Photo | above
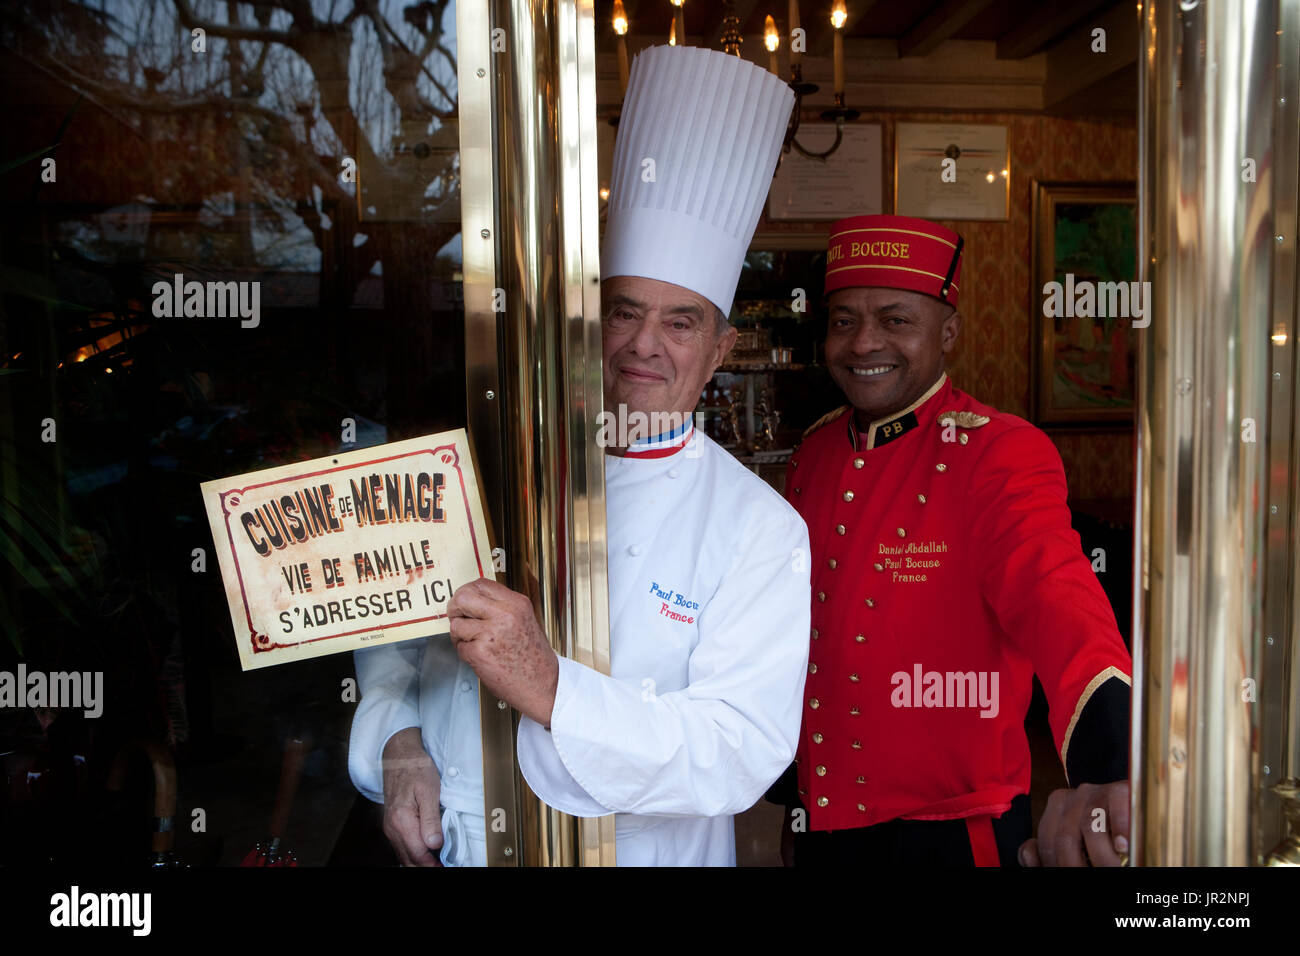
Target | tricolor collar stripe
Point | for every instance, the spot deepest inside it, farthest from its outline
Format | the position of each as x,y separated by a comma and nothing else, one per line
661,446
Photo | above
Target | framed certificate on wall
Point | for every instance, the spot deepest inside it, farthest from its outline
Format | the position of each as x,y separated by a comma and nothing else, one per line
952,171
846,183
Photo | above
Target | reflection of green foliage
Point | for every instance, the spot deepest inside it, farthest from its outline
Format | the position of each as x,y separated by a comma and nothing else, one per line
29,526
37,530
1096,241
14,162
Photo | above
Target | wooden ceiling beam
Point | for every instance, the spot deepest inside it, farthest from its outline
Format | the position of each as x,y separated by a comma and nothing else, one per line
1072,66
1044,27
938,25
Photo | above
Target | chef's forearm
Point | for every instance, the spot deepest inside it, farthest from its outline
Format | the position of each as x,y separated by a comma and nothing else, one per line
615,748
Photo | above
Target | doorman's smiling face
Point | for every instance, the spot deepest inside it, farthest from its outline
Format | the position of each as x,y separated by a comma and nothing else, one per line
885,347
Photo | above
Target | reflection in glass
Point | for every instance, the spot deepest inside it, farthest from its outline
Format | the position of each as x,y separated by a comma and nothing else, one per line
306,152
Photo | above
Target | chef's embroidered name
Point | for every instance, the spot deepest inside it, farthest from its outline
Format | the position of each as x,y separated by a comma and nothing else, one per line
309,512
670,601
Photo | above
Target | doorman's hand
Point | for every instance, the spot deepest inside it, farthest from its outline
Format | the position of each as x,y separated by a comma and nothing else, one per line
496,633
1084,826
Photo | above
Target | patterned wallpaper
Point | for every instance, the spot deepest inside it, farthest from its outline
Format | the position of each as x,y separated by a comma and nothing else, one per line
992,355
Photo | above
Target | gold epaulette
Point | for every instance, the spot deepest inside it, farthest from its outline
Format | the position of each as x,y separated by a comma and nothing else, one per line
828,417
963,419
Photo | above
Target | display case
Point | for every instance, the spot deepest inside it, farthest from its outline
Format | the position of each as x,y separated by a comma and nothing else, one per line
773,384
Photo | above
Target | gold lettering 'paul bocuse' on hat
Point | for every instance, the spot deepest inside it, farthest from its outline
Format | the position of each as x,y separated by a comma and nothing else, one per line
896,252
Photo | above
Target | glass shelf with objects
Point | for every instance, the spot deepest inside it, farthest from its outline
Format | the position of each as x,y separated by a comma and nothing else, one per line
772,384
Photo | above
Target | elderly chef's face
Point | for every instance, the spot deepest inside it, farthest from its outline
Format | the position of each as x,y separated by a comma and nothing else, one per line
885,347
661,345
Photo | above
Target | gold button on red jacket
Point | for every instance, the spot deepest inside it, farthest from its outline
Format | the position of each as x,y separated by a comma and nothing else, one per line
956,579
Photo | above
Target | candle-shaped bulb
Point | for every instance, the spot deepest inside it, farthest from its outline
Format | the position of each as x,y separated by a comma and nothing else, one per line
796,48
620,27
771,39
838,16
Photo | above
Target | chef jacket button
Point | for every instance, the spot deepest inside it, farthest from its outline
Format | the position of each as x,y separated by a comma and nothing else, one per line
798,491
878,566
453,771
822,801
833,564
465,685
861,639
870,602
814,703
862,779
902,533
848,496
673,472
921,498
858,462
821,595
857,745
854,678
817,738
821,771
634,550
812,668
963,438
941,467
862,808
839,529
853,712
815,634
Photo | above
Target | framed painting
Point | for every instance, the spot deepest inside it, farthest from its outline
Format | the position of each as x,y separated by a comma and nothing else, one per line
1084,300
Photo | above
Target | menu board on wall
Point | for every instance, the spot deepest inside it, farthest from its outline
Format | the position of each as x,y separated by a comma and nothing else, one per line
952,171
847,183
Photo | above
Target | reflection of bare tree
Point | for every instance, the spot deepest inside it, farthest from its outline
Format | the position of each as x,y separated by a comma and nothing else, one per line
264,117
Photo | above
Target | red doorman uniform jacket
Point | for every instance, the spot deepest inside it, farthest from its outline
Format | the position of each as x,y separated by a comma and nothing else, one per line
945,575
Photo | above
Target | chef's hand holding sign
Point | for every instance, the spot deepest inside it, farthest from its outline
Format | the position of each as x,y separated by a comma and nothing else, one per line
496,632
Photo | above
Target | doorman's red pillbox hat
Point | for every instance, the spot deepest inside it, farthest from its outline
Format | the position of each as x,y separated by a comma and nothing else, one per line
897,252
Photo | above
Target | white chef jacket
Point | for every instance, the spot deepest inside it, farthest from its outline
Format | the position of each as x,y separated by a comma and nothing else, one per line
709,598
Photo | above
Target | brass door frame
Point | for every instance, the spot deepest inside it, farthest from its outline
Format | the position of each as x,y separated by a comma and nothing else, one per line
529,195
1207,91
